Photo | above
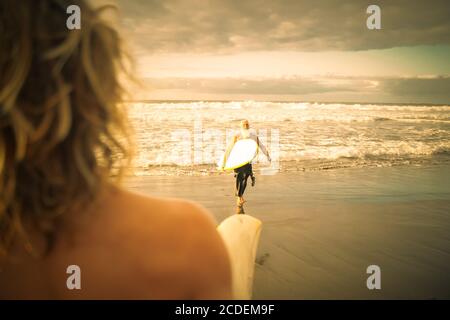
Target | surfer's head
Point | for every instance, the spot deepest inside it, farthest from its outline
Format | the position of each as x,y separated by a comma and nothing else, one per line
245,124
62,133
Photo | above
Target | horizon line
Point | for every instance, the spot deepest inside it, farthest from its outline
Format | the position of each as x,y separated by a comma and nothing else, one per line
283,101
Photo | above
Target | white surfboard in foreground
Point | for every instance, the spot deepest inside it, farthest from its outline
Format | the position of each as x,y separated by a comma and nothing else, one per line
240,233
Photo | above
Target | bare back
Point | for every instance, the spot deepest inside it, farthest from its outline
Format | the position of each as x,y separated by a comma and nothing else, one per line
128,246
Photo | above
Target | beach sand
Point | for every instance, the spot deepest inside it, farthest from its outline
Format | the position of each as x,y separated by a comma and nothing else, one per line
322,229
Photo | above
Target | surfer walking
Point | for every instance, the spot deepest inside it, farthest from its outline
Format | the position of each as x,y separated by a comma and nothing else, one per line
246,171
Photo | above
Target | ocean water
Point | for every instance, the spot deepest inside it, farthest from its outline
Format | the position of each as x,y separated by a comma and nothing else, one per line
189,138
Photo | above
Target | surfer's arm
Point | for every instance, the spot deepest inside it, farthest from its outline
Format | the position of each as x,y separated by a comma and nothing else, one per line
209,269
263,148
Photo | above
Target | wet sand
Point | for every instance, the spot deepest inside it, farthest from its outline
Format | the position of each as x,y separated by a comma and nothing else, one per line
321,230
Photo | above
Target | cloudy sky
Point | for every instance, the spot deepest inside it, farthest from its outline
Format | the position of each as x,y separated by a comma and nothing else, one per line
303,50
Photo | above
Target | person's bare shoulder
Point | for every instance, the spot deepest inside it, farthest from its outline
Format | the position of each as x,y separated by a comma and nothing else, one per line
168,248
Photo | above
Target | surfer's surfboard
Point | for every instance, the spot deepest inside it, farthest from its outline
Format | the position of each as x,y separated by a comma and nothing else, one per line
242,152
240,232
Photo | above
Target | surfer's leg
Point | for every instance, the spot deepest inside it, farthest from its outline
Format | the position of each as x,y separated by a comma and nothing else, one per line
244,183
249,173
240,188
252,176
239,184
244,173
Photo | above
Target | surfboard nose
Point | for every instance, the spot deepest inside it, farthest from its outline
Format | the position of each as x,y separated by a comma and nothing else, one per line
241,233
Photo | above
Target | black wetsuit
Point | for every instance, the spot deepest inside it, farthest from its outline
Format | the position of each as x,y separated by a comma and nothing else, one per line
242,175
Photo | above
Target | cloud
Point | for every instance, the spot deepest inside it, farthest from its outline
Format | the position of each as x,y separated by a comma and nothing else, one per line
426,86
370,89
298,25
262,86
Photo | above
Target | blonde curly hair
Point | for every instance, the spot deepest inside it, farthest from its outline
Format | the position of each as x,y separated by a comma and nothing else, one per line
63,134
